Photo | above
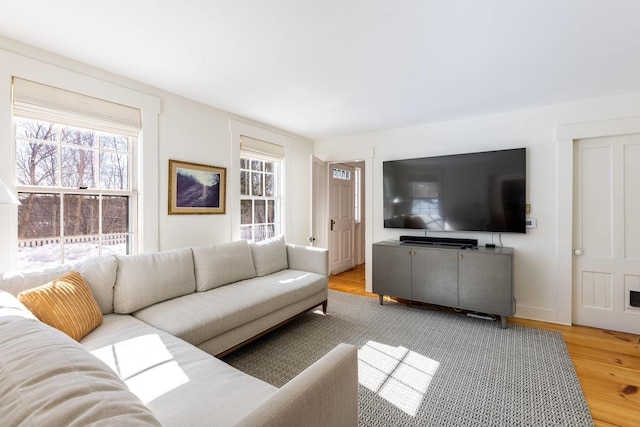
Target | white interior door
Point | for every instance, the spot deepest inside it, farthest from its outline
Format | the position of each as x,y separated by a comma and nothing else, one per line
606,235
319,231
341,218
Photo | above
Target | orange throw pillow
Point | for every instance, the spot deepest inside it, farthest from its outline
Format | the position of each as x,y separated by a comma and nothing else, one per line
66,303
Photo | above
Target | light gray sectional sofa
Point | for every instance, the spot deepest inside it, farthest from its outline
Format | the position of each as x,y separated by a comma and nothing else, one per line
164,316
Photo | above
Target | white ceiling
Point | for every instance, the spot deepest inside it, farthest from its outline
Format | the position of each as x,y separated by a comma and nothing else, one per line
322,68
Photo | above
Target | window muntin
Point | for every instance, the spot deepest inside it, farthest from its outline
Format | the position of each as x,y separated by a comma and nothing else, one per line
75,188
260,198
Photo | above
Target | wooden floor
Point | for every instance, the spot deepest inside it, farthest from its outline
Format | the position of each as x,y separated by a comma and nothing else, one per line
607,362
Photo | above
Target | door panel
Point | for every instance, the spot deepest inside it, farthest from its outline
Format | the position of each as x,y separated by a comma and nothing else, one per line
341,218
606,262
597,183
632,201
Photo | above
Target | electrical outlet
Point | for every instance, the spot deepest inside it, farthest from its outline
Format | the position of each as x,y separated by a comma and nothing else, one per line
531,223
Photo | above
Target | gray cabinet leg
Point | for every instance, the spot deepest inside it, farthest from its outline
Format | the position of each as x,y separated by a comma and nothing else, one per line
503,322
380,297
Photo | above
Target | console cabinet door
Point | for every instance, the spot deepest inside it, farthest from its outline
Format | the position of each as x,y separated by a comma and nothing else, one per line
486,283
435,276
392,271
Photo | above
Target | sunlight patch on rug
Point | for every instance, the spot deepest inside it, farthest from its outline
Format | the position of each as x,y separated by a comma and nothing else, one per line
396,374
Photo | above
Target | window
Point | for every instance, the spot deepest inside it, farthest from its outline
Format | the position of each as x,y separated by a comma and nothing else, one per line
74,183
260,202
260,189
342,174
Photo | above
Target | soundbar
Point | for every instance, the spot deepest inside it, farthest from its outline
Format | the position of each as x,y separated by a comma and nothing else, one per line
440,241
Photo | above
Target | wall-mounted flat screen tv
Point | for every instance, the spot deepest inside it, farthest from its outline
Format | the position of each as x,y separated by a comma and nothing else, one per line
464,192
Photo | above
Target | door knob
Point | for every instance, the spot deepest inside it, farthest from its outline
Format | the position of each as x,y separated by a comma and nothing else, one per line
332,224
578,252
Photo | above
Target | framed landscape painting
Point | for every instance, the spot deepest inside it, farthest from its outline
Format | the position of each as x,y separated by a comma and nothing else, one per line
196,188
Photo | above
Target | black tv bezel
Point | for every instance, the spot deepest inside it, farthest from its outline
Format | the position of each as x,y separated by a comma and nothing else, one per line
521,230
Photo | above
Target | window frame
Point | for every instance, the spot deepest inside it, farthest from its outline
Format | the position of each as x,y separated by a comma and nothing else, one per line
237,131
132,234
277,198
55,72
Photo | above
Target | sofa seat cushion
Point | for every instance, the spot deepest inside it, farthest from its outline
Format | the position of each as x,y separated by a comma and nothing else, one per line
199,317
47,379
180,383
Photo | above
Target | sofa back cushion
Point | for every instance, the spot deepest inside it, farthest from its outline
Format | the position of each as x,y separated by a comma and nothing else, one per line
15,282
269,255
146,279
222,264
98,272
100,275
46,378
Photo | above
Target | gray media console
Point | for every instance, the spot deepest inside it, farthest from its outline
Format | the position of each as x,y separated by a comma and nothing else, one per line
479,279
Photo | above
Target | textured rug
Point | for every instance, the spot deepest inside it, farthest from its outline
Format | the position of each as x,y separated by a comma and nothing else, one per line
430,368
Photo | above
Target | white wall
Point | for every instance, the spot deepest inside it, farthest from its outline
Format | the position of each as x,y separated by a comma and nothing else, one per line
196,133
537,286
183,130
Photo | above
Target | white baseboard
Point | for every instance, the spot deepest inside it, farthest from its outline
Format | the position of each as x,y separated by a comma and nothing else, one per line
538,313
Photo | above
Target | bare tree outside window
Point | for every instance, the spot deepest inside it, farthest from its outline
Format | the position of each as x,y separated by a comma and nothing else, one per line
74,185
36,153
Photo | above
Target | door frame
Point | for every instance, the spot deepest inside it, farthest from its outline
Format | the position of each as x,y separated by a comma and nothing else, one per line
365,155
318,235
566,136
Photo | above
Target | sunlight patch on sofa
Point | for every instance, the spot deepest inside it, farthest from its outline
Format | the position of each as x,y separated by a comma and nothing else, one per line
396,374
294,279
145,364
158,380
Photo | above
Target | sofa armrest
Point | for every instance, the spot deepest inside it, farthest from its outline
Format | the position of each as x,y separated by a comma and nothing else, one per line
324,394
307,258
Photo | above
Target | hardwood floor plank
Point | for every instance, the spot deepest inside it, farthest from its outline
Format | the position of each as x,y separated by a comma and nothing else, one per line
607,362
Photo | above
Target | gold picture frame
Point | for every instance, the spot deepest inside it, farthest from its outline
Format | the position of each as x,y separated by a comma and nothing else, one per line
196,188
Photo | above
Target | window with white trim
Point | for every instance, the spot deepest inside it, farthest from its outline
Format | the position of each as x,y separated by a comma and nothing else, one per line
261,167
74,175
